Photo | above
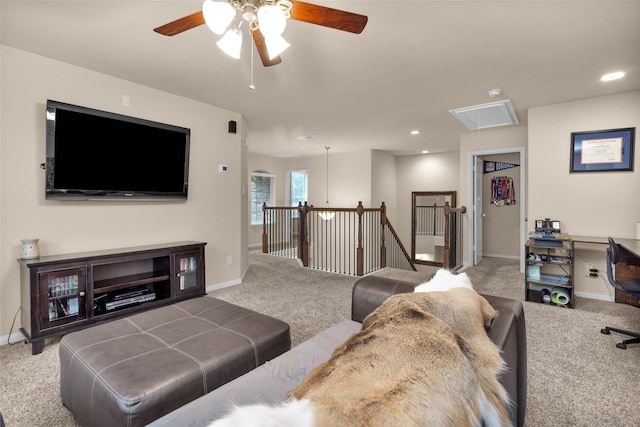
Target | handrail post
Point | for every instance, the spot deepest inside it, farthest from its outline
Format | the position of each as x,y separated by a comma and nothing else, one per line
446,262
383,247
265,248
435,219
360,248
303,249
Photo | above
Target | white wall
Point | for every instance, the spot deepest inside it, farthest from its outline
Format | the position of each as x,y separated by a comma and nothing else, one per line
213,212
384,183
587,204
349,180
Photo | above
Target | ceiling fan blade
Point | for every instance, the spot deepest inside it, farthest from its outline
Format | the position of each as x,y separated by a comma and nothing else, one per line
180,25
328,17
258,39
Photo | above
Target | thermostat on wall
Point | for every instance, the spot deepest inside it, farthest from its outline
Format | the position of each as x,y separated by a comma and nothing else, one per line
223,168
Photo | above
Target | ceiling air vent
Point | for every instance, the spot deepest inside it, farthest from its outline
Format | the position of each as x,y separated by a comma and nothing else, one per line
493,114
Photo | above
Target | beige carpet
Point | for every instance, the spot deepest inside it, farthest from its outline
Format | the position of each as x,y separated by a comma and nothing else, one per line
577,377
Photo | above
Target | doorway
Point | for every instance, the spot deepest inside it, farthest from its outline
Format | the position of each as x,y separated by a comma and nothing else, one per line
477,195
428,225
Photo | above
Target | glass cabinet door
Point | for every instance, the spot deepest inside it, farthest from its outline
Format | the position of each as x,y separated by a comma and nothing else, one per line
190,273
65,294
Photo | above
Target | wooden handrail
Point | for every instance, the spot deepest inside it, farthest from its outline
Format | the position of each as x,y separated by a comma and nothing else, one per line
333,236
450,236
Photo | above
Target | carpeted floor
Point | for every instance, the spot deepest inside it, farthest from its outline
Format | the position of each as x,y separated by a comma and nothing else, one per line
577,377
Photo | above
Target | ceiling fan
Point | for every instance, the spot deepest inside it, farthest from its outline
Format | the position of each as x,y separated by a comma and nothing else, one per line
266,20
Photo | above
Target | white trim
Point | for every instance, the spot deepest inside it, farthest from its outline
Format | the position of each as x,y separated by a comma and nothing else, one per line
211,288
516,257
522,196
272,189
272,175
590,295
288,195
15,338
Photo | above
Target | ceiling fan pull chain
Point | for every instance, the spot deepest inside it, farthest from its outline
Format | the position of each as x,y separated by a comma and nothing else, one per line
251,86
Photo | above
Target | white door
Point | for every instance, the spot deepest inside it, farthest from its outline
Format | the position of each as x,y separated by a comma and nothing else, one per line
477,209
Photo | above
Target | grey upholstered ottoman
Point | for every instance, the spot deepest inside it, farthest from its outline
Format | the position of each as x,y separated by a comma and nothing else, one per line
133,370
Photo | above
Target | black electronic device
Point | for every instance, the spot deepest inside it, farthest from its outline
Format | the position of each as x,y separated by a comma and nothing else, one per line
125,302
98,155
118,299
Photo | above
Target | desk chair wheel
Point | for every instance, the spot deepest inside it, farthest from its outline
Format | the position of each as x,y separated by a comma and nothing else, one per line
622,345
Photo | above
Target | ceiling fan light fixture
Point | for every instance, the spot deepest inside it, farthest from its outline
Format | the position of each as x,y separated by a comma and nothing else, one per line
272,20
275,45
218,15
612,76
231,43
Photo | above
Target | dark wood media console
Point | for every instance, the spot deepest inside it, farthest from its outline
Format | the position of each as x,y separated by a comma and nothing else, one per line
64,293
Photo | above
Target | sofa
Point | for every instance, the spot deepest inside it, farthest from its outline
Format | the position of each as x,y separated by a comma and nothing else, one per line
271,382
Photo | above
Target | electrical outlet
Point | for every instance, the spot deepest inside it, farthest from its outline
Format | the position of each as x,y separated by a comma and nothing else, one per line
229,260
587,269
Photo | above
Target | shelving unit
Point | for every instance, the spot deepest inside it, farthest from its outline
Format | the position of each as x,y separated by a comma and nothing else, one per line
549,274
63,293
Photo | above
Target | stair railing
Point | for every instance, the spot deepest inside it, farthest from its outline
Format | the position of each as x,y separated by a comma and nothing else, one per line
353,241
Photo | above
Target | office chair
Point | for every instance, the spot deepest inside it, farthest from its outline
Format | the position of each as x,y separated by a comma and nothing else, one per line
631,287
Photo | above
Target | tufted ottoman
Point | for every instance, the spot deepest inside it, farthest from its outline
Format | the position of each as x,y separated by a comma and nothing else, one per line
130,371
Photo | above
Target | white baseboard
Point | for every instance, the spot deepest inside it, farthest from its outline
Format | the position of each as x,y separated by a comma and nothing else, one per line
222,285
15,338
502,256
595,296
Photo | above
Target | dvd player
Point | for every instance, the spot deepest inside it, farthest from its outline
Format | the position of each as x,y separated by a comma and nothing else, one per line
130,300
131,292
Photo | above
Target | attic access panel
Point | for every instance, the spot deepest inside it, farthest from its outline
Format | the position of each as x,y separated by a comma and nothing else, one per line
493,114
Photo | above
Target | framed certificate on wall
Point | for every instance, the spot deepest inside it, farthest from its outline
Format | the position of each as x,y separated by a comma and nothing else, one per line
602,150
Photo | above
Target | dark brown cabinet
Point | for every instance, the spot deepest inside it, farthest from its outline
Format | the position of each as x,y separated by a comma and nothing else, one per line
64,293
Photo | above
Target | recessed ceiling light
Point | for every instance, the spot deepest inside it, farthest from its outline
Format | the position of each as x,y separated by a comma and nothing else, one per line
415,132
304,137
425,151
612,76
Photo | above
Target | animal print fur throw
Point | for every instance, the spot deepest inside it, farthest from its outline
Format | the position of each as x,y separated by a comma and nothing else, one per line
421,359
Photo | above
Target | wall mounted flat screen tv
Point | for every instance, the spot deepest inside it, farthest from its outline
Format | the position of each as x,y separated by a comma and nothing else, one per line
97,155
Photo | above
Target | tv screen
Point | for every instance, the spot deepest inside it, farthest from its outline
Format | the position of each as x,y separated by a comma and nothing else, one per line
97,155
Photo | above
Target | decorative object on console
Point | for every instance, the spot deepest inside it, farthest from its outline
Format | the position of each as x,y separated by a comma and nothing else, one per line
30,249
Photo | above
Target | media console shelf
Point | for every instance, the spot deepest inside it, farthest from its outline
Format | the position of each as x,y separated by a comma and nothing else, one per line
64,293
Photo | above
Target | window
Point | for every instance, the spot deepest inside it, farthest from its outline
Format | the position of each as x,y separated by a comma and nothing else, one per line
297,191
262,191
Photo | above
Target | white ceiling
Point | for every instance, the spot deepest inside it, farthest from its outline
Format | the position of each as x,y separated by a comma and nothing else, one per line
414,61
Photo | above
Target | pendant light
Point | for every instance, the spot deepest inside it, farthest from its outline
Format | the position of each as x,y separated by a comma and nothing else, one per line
326,215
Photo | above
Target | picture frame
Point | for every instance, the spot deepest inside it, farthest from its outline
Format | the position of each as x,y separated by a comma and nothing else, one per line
602,150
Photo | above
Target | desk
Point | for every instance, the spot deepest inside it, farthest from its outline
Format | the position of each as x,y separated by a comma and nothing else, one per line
627,268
